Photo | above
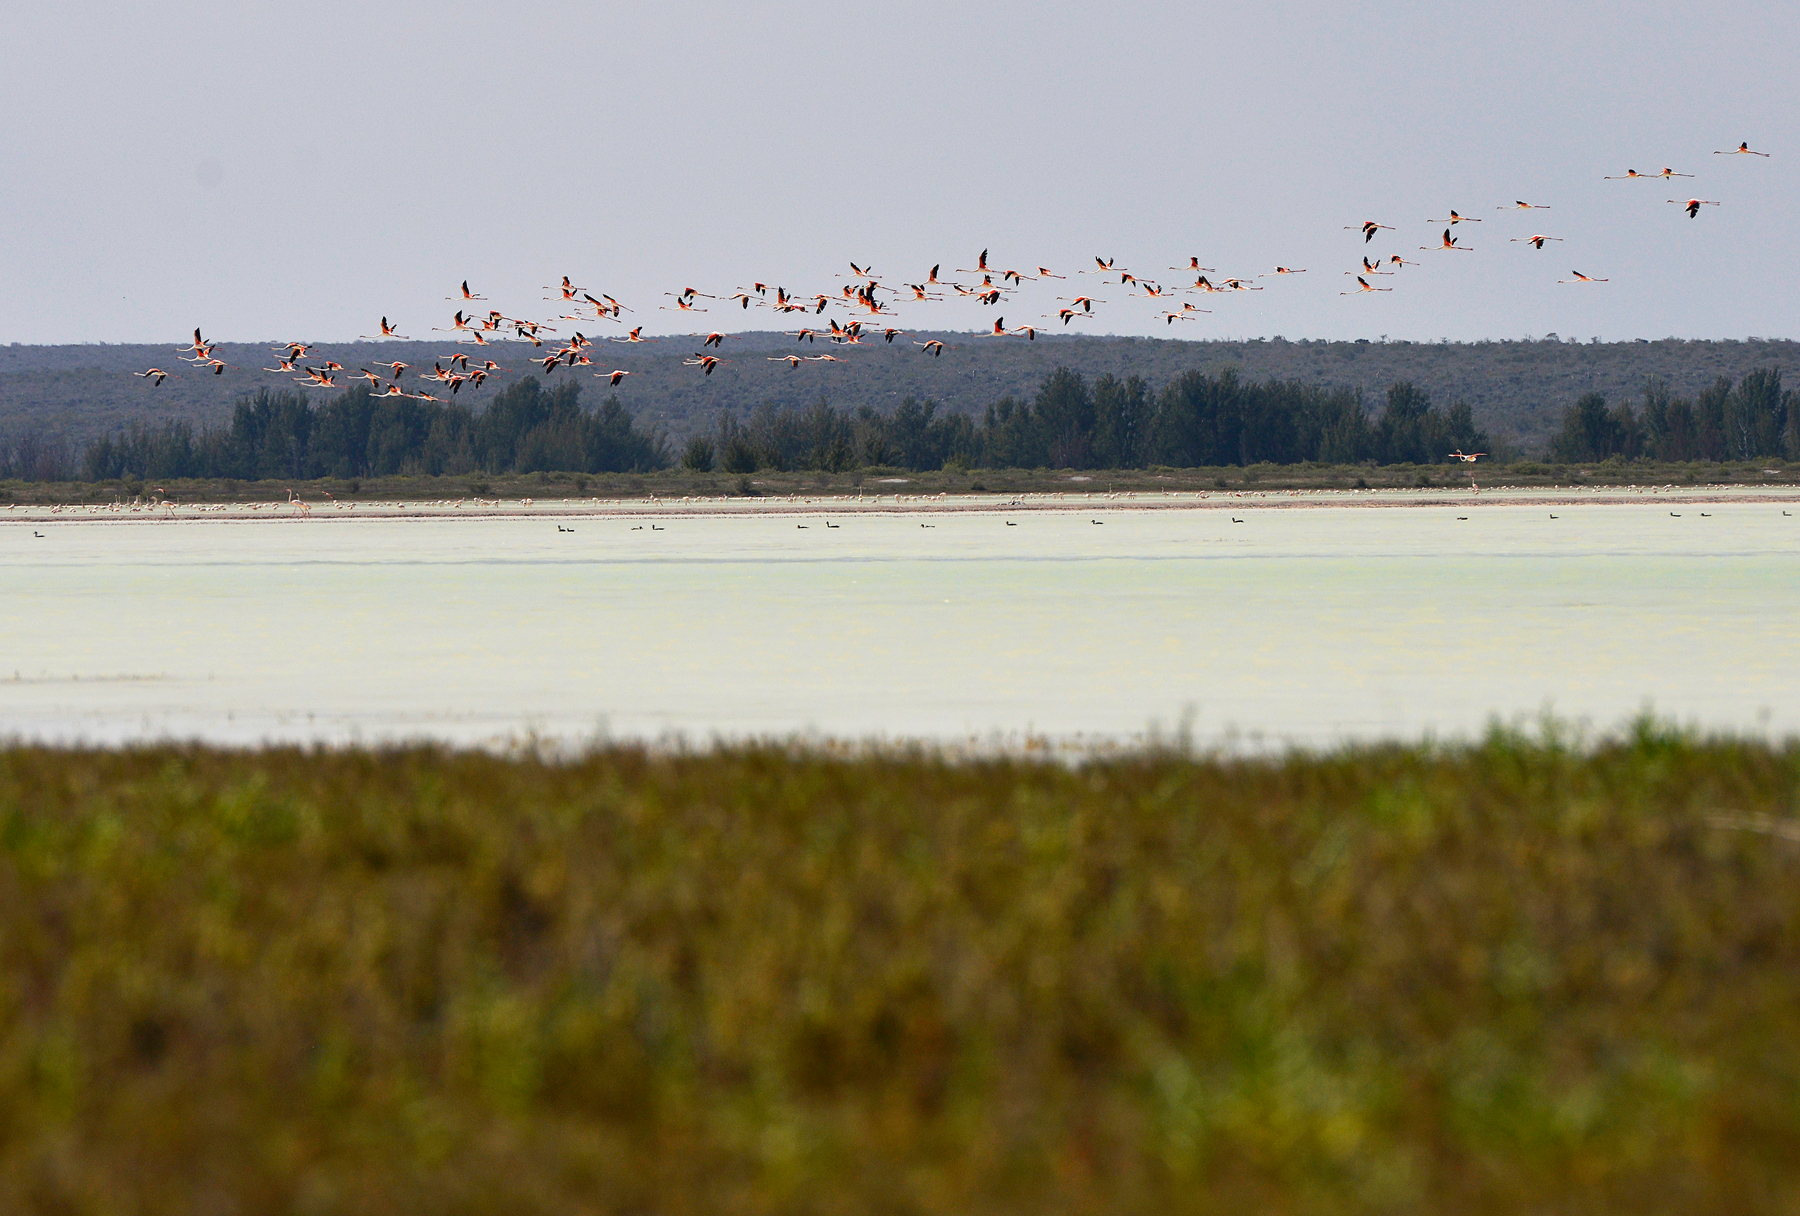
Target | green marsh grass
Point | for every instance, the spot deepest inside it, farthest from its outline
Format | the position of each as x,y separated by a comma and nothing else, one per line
1512,976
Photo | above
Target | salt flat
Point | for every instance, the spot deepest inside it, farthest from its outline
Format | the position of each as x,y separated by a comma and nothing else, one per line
1085,621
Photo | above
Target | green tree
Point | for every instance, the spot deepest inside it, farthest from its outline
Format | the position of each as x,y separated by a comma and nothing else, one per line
1590,432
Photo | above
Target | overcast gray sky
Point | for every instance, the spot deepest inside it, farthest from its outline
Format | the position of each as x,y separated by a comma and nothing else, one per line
296,171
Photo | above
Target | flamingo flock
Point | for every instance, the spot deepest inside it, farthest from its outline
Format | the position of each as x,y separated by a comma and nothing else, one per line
869,303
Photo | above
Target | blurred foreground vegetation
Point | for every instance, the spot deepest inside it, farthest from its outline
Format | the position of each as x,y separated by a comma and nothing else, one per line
1516,976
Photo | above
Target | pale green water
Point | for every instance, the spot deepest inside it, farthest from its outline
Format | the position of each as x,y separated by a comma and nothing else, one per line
1295,625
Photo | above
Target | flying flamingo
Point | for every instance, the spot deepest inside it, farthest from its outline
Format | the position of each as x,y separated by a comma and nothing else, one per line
159,374
466,293
1693,205
387,331
1281,270
1449,243
1466,457
1362,286
1368,228
1455,219
1634,175
1195,266
612,377
705,362
934,348
1582,278
1522,205
1668,173
1537,241
1743,149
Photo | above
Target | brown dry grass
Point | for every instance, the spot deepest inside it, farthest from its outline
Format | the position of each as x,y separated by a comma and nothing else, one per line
1512,977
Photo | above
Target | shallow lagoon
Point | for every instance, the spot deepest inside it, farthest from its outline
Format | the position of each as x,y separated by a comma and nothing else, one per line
1296,625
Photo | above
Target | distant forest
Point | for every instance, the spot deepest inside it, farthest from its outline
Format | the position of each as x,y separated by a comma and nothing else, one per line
1517,391
1751,419
525,428
1196,420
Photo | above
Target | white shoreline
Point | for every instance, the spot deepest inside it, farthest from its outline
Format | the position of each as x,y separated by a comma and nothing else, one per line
891,504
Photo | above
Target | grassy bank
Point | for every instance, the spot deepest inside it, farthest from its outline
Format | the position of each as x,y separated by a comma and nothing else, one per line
1511,977
673,483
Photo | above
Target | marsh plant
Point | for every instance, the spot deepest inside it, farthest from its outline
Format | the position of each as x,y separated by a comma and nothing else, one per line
1514,976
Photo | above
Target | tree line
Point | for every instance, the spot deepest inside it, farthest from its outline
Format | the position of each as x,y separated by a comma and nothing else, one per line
1113,422
1753,418
1197,419
525,428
